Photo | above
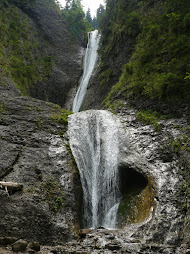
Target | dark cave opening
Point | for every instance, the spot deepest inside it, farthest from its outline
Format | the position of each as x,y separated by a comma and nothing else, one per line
137,196
131,180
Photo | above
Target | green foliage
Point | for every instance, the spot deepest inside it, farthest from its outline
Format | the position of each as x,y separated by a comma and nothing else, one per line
88,17
151,117
159,66
105,77
39,122
19,51
100,16
53,195
70,151
148,118
2,109
62,116
74,18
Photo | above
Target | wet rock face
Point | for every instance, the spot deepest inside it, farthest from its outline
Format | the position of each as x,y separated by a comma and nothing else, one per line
33,153
164,177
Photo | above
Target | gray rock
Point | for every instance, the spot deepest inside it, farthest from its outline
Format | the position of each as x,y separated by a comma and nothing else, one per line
34,246
31,252
20,245
7,240
31,146
112,246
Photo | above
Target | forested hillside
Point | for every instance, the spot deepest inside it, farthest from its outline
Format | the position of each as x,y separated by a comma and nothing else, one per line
157,35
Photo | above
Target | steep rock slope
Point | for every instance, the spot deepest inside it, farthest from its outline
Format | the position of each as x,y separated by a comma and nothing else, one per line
34,152
150,41
37,52
66,52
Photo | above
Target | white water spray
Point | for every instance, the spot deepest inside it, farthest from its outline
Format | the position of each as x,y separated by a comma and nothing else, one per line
90,60
94,143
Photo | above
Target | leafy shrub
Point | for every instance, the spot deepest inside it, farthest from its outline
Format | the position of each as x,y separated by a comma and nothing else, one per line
62,117
149,117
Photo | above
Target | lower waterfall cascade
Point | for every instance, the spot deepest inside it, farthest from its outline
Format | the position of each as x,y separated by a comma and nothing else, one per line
95,146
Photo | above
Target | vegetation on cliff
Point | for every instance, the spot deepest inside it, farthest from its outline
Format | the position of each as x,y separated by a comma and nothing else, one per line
77,22
74,17
22,57
158,66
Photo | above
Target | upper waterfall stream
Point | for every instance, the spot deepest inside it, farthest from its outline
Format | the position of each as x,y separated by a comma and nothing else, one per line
90,60
94,143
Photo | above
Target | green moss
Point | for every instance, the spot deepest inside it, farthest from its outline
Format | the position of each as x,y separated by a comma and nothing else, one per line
125,207
53,194
136,203
38,108
62,116
70,151
2,109
149,117
105,77
39,122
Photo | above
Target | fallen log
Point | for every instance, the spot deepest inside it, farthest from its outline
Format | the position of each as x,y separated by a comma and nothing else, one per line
11,186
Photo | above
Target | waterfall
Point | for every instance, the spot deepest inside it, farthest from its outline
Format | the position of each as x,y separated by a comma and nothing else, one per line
94,142
90,60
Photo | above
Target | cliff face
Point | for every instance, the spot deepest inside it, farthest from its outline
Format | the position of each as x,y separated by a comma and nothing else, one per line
38,58
37,51
66,54
34,152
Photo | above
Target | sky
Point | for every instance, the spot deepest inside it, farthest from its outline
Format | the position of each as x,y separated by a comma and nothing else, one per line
92,4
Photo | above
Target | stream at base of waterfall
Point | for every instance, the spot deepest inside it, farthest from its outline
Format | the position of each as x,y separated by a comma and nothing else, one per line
94,142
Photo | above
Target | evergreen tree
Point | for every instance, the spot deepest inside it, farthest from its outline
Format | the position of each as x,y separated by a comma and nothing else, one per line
68,4
88,16
100,14
94,23
74,18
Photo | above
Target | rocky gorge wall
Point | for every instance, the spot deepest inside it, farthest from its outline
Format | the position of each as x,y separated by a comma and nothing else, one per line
34,151
38,53
66,53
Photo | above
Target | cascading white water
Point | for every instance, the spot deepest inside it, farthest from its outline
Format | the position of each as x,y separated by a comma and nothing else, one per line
90,60
94,143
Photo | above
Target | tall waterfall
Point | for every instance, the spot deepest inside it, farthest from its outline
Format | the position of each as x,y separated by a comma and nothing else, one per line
94,143
90,60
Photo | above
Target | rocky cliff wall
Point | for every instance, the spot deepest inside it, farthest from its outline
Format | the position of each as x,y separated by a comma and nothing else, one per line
34,152
65,51
37,51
